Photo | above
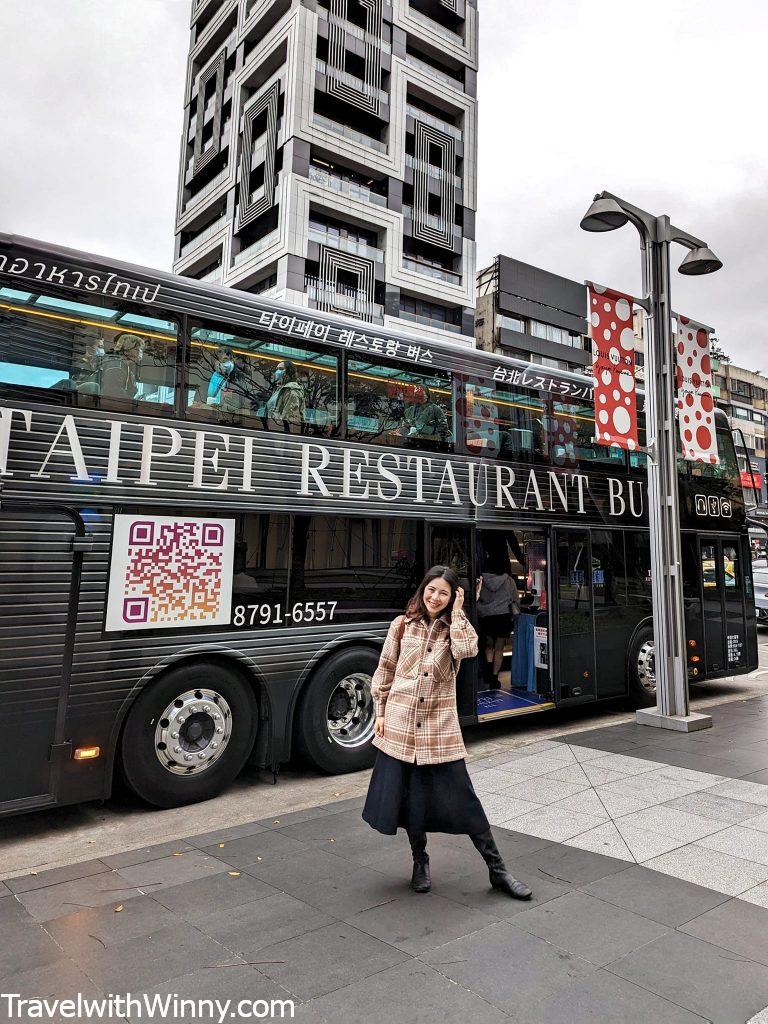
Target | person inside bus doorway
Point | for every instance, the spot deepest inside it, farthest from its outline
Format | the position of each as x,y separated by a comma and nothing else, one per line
287,404
498,609
420,780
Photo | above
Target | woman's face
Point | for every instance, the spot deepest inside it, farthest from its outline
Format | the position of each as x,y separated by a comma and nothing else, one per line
437,595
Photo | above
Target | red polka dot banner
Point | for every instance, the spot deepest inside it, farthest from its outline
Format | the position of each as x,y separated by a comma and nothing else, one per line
695,404
613,367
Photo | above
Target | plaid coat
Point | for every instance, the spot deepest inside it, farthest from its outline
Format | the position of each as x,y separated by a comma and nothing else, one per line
414,688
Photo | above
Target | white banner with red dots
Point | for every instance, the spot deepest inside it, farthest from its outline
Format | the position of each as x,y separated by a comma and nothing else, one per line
613,367
695,404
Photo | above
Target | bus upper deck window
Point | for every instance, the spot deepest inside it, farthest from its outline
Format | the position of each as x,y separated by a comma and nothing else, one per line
261,382
394,404
502,422
86,353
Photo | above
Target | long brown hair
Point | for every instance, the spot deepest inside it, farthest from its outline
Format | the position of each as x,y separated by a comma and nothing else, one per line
416,608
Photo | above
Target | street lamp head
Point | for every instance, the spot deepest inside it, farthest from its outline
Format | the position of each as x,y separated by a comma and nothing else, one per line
700,261
604,215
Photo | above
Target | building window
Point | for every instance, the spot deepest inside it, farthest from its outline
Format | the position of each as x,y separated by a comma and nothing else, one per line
511,323
740,387
559,335
367,568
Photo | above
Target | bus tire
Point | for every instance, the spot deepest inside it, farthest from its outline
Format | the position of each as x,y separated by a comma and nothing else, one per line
188,735
641,675
335,715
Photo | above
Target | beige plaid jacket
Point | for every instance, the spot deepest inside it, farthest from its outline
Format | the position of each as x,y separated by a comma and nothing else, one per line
414,688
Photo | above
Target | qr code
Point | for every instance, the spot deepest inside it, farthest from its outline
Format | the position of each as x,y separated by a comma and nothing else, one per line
170,572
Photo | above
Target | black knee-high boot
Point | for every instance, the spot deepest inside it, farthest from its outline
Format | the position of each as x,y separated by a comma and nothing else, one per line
497,871
420,880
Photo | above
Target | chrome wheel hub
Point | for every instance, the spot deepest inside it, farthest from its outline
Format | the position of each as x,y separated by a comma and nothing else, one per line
646,666
350,711
193,732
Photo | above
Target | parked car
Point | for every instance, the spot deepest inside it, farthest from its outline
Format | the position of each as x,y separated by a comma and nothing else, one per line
760,576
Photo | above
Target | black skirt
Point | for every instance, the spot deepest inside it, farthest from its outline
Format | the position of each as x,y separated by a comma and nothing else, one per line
422,798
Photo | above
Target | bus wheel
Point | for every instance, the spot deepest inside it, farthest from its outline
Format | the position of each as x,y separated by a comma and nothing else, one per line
336,714
642,669
188,735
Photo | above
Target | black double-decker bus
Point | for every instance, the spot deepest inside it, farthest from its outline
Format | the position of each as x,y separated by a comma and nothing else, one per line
212,505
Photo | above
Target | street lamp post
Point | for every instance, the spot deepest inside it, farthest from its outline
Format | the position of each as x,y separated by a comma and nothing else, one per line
607,213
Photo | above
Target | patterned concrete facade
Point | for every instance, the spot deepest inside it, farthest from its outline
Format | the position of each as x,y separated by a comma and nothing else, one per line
329,156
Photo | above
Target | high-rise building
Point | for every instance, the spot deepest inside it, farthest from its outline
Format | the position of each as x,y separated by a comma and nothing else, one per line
329,156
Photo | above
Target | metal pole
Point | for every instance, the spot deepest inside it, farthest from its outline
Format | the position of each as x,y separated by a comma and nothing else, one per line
672,706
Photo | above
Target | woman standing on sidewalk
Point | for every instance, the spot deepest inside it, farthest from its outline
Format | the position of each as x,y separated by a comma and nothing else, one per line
420,780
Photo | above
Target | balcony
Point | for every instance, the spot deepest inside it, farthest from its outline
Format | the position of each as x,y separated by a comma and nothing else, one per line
428,321
354,30
436,122
350,245
427,270
212,184
349,133
206,233
346,186
352,80
354,301
215,276
257,247
431,170
442,76
434,221
435,26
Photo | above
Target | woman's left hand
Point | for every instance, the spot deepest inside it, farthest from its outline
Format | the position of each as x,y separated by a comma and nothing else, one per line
458,601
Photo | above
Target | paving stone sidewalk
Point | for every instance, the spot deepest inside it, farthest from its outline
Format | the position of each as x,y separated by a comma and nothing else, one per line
315,906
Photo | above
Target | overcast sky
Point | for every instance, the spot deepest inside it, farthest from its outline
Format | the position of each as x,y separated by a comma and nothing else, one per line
660,101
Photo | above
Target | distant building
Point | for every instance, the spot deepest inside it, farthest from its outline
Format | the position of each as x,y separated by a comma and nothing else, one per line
742,394
531,314
329,156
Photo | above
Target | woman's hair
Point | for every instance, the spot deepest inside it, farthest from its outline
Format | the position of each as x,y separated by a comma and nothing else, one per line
416,607
290,370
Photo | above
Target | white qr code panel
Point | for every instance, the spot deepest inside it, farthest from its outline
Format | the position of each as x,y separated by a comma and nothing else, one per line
170,572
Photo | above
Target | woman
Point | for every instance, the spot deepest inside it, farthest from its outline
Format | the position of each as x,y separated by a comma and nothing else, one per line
287,403
420,780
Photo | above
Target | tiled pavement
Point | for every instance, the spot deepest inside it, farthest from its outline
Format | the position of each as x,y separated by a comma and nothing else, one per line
635,858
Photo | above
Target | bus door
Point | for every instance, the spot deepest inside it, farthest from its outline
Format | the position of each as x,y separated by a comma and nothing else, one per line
513,622
38,599
573,615
722,587
452,545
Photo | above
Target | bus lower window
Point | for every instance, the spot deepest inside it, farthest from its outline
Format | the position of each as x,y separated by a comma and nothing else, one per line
366,568
261,383
397,405
89,354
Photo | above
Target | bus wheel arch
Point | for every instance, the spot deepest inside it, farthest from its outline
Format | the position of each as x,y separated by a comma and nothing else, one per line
641,670
332,715
190,730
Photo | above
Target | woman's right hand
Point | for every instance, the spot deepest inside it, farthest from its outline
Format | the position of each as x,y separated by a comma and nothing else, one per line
378,726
